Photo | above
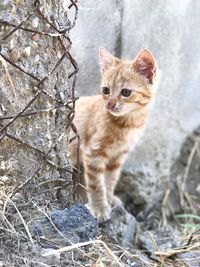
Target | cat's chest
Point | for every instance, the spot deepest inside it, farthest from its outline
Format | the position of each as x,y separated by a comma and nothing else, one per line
124,142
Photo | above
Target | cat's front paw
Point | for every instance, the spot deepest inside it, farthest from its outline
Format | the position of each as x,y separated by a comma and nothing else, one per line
115,201
102,214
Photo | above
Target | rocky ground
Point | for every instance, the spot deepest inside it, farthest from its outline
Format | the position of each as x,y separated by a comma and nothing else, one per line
41,228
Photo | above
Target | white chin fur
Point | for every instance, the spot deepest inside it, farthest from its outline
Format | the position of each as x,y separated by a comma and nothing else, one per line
117,113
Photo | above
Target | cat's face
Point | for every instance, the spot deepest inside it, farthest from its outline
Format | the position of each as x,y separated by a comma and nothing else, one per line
127,86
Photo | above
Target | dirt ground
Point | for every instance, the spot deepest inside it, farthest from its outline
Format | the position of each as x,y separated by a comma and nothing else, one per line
168,234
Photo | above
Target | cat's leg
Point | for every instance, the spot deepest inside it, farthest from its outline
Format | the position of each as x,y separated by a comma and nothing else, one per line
112,174
111,178
94,167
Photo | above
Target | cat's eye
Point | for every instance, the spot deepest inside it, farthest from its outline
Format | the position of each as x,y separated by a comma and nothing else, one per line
106,90
126,92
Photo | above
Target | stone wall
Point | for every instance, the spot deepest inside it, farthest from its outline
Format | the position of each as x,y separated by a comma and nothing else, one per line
34,70
170,29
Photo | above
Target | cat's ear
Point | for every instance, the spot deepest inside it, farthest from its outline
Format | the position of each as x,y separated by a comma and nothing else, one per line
145,64
106,60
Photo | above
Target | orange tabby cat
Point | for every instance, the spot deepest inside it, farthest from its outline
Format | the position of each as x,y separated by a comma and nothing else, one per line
110,124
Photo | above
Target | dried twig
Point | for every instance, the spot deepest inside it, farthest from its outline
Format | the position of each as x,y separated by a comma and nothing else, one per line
174,251
164,203
21,217
83,244
189,162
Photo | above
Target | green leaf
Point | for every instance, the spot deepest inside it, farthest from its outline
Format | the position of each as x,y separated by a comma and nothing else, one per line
188,216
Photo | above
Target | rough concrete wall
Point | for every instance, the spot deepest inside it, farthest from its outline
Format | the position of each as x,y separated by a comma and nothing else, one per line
37,54
98,25
170,30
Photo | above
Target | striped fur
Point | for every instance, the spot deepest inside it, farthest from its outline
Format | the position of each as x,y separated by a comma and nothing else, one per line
107,135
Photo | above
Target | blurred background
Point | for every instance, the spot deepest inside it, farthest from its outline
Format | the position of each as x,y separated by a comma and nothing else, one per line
170,29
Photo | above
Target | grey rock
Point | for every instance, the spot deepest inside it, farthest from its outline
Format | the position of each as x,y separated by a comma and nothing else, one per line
121,227
137,186
189,258
162,239
138,190
76,223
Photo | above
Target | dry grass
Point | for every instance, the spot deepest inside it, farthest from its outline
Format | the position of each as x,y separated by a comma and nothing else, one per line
20,247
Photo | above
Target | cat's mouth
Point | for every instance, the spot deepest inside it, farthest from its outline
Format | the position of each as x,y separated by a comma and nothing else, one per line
114,110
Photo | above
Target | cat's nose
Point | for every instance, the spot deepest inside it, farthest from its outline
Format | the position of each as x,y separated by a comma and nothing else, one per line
111,104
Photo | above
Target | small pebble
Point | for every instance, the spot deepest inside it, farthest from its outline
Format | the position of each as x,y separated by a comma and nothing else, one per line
62,96
5,180
15,55
27,51
37,58
11,43
59,54
35,22
34,44
48,168
35,37
52,256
